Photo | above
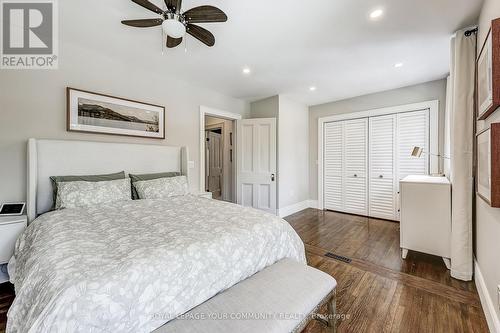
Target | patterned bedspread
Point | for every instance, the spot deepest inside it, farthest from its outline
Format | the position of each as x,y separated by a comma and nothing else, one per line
132,266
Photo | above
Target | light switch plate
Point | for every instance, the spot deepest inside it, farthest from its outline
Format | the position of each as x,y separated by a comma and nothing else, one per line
191,164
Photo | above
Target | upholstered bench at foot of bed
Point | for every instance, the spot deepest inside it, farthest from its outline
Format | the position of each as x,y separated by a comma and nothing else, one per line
281,298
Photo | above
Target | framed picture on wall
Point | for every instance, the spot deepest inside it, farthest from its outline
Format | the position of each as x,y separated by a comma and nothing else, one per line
488,165
484,165
488,73
97,113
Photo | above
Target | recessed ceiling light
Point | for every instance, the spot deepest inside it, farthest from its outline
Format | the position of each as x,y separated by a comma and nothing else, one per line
398,65
313,88
377,13
247,70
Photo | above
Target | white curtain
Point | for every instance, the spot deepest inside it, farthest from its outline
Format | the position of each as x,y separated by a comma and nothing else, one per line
461,117
447,125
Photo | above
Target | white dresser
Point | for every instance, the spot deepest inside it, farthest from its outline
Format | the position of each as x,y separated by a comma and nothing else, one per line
11,228
426,216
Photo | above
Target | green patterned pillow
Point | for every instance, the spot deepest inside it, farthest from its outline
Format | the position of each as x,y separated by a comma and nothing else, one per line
86,194
88,178
149,176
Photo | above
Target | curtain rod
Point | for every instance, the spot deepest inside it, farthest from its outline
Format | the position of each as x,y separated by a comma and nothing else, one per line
468,33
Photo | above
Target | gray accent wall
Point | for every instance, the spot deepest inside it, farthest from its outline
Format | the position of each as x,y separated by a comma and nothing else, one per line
33,104
487,233
265,108
434,90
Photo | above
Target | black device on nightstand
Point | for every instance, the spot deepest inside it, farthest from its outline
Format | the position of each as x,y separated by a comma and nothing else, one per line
12,209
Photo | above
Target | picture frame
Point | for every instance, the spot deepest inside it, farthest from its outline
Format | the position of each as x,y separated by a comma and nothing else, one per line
488,165
91,112
488,73
483,179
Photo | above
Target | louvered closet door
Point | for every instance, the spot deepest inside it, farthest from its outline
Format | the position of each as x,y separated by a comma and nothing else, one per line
413,131
333,166
355,166
382,191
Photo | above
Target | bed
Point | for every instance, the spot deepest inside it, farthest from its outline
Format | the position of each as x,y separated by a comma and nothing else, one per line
130,266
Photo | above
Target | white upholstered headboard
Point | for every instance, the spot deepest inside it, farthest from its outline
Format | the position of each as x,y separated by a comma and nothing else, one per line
48,158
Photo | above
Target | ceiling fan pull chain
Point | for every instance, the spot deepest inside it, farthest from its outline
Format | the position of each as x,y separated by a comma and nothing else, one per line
185,45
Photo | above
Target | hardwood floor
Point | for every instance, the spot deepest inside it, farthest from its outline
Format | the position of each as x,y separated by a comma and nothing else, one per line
6,298
378,291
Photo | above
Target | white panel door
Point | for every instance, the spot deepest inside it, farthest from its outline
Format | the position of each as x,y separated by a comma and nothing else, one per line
412,131
356,166
382,189
333,166
214,161
256,163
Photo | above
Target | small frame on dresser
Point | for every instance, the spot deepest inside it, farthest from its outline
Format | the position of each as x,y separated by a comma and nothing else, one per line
488,165
97,113
488,73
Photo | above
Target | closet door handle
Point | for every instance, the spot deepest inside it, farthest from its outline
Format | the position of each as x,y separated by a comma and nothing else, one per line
355,175
381,176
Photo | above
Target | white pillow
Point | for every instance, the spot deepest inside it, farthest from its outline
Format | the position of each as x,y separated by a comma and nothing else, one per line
83,194
162,188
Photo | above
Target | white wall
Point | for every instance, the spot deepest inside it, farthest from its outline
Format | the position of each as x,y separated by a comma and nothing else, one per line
33,104
293,152
407,95
487,218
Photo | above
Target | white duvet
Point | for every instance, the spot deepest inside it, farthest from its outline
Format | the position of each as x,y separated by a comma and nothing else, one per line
132,266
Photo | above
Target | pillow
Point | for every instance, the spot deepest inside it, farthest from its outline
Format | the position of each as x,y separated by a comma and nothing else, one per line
149,176
94,178
83,194
162,188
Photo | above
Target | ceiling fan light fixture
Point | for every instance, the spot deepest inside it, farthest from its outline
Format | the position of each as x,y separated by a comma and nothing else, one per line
174,28
176,24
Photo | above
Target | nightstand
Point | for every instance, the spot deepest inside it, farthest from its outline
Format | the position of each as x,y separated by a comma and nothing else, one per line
11,228
206,195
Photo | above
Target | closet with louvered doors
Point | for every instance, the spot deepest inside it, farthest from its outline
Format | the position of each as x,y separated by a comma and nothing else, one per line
346,166
364,159
382,161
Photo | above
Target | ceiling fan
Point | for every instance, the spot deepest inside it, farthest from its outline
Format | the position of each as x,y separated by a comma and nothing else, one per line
176,24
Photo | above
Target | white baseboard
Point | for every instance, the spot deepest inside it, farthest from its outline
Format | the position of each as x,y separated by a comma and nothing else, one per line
292,209
487,303
313,204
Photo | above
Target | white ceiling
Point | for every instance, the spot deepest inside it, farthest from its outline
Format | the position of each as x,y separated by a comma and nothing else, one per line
289,45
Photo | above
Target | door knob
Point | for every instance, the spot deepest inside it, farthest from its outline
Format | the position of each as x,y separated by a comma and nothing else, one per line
272,177
355,175
381,176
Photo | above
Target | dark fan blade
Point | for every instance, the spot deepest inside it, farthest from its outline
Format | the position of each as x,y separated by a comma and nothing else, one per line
201,34
148,5
203,14
173,42
143,23
174,5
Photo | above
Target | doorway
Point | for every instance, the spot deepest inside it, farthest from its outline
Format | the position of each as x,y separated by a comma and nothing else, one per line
219,149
